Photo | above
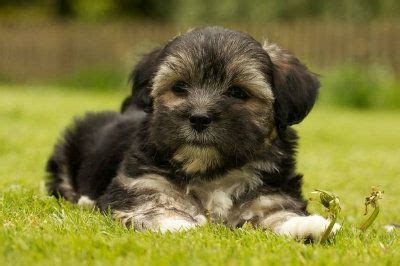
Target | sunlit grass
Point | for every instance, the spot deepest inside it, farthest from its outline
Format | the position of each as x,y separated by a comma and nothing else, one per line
343,151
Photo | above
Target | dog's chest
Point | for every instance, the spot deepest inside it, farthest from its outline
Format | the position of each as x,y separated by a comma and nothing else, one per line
217,197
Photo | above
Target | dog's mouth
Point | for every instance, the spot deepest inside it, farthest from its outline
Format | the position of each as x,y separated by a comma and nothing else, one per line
200,142
204,138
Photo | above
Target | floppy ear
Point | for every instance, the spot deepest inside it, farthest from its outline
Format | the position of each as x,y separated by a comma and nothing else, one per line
295,88
141,79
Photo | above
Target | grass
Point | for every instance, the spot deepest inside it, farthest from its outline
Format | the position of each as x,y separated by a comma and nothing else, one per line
342,150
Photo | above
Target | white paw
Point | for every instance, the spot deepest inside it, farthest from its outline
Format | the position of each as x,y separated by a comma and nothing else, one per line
391,227
301,227
201,219
169,224
85,201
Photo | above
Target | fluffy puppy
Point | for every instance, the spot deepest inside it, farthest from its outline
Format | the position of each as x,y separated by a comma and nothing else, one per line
205,137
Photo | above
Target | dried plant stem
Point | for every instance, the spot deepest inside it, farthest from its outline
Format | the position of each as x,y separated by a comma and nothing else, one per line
331,204
373,200
370,219
328,230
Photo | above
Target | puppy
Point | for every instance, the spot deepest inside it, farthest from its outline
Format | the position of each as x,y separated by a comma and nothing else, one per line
204,137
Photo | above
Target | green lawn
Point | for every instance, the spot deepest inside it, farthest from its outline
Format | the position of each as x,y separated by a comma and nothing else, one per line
345,151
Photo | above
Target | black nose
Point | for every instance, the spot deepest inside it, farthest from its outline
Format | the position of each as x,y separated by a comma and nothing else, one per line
200,121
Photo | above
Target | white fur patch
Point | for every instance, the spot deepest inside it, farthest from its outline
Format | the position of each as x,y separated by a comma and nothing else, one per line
85,201
170,224
390,227
300,227
219,203
217,196
201,219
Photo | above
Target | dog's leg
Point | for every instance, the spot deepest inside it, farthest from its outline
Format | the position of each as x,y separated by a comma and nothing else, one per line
150,202
283,215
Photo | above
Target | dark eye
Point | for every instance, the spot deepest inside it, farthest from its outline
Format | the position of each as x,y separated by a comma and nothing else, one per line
237,92
180,88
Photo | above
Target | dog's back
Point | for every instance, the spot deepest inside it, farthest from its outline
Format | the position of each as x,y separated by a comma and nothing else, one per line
87,157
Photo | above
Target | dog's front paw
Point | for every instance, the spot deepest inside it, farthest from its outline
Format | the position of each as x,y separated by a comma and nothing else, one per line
303,227
163,222
173,224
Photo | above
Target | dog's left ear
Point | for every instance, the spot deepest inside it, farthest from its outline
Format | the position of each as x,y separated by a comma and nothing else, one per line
295,88
142,80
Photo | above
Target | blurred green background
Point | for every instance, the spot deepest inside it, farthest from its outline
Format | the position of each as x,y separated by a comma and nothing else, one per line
92,45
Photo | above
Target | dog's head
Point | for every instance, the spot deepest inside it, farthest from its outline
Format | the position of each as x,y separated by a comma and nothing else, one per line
218,97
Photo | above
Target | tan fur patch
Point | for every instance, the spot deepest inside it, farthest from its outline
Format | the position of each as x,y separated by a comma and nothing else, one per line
275,52
251,78
170,100
258,87
263,113
164,78
171,71
255,105
197,159
273,134
279,57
